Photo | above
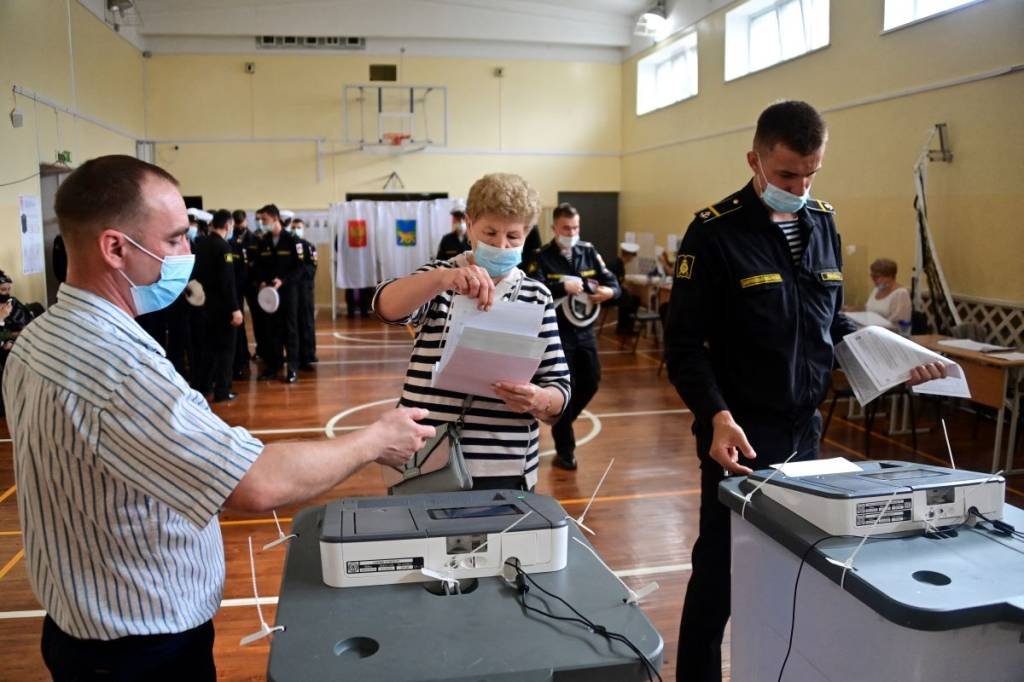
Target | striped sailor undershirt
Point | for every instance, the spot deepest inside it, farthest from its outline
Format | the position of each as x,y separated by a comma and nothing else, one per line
791,230
121,471
495,440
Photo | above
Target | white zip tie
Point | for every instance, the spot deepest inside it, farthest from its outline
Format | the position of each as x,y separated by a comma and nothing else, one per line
265,629
848,564
281,537
746,498
594,496
513,525
949,448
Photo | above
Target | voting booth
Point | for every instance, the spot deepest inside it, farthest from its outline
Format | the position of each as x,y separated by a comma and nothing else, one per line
923,605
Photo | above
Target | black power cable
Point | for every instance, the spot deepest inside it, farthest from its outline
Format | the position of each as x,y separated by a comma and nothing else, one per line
522,589
796,585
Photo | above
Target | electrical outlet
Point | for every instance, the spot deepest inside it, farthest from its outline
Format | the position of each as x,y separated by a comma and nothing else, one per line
64,156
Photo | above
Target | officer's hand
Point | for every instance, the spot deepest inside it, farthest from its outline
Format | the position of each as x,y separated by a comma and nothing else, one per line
926,372
5,310
236,318
573,286
397,436
8,345
602,294
276,283
728,442
472,281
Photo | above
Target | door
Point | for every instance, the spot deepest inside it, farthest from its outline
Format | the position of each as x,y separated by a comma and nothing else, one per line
599,219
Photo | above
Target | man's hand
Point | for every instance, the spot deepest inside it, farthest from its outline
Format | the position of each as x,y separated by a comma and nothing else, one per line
573,286
236,318
472,281
602,294
728,442
5,310
276,283
926,372
397,436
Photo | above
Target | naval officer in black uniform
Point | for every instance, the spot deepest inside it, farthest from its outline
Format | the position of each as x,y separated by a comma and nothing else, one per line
279,265
222,314
753,320
568,257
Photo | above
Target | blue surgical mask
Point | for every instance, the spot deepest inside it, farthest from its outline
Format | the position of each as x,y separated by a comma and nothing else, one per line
192,232
298,231
779,199
568,242
174,274
497,262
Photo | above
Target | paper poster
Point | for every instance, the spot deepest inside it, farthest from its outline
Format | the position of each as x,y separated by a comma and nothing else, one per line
317,230
32,258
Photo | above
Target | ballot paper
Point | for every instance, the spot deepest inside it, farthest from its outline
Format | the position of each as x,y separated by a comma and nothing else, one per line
867,318
968,344
1013,356
875,360
818,467
483,347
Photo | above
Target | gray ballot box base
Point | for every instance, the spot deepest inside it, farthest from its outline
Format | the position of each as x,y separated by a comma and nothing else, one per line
400,633
883,624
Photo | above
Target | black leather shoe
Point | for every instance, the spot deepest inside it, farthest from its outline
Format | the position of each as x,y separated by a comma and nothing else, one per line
306,367
225,398
567,463
291,378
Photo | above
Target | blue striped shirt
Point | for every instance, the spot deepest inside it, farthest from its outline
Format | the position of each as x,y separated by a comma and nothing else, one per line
495,441
121,471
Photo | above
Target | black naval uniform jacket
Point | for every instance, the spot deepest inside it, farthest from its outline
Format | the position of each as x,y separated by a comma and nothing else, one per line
452,244
283,262
748,331
551,267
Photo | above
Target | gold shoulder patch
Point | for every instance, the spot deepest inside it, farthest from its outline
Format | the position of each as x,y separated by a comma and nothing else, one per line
684,266
820,206
831,276
720,209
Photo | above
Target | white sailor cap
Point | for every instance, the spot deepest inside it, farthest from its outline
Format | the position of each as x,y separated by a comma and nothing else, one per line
286,214
629,247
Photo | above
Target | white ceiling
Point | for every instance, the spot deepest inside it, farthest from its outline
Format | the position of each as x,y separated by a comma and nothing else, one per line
581,29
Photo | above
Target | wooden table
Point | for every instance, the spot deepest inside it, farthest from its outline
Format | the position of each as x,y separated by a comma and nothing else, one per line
994,382
653,292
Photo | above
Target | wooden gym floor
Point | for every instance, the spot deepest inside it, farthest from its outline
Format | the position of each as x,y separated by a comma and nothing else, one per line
645,516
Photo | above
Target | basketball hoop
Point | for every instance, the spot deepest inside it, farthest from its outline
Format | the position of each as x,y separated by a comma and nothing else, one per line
396,139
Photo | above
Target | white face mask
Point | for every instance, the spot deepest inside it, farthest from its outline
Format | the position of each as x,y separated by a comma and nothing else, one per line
568,242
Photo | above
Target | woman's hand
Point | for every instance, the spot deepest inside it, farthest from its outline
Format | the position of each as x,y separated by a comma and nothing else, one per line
472,281
542,403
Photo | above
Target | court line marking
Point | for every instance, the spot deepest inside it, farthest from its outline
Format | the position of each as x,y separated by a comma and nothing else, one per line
273,601
10,564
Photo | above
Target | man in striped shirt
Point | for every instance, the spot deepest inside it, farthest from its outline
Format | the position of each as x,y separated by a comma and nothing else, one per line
121,467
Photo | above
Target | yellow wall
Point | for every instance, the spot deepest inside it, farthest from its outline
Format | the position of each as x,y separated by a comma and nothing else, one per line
36,53
867,171
569,112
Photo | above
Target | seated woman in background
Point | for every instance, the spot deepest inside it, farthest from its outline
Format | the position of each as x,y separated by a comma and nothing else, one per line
500,437
888,299
14,316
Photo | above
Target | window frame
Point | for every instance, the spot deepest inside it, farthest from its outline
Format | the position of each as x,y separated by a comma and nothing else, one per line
747,19
685,46
921,20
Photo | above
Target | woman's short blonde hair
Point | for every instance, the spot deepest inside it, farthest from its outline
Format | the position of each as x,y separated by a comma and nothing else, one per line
505,195
884,267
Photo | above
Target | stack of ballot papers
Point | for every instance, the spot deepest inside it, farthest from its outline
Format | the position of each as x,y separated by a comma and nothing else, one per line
875,360
483,347
977,346
867,318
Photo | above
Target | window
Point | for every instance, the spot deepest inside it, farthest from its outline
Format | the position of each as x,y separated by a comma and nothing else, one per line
667,76
901,12
760,33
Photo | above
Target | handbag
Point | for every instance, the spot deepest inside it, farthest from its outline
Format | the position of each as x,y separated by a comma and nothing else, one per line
428,472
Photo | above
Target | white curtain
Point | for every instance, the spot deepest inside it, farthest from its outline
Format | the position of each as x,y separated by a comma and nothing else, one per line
355,224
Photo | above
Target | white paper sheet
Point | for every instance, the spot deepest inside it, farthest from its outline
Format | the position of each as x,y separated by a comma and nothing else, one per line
968,344
875,360
818,467
866,318
483,347
1014,355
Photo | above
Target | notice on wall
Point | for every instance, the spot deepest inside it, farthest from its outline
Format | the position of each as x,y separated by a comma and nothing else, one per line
31,217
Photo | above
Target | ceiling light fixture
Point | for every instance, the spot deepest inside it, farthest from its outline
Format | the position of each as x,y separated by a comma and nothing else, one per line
653,23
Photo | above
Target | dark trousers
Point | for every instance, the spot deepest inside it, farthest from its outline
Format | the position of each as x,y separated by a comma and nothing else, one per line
181,656
628,304
259,322
358,299
218,355
706,607
585,374
284,331
307,323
